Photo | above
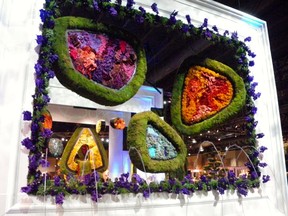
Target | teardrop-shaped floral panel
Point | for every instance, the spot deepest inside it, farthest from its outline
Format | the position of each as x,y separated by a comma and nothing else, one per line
154,146
206,93
99,62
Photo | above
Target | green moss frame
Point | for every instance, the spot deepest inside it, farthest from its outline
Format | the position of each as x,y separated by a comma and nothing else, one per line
78,83
73,140
136,142
238,101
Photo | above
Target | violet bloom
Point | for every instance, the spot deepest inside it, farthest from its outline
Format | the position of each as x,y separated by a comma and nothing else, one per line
130,4
215,28
185,28
96,6
41,40
248,39
260,135
27,142
57,181
205,23
113,11
173,17
185,191
263,164
53,58
50,74
208,34
44,163
220,190
27,116
234,36
242,191
251,63
47,133
146,193
265,178
155,8
226,32
143,11
262,149
188,18
59,199
38,69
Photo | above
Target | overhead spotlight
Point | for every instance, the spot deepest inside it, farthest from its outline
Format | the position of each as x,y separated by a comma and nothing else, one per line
194,141
226,148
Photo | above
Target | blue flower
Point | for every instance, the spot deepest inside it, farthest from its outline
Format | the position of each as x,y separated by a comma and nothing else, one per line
143,11
41,40
146,193
260,135
220,190
205,23
172,19
185,191
251,63
262,149
139,18
57,181
130,4
44,163
96,6
188,18
113,11
50,74
234,36
185,28
242,191
53,58
47,133
248,39
265,178
27,116
155,8
38,69
226,32
59,199
215,28
27,142
263,164
208,34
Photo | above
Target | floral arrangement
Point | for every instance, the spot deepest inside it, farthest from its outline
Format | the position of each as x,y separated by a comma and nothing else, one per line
137,137
105,77
118,123
191,109
205,93
59,187
108,61
159,147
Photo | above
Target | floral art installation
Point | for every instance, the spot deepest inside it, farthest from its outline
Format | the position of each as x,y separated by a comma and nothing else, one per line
81,18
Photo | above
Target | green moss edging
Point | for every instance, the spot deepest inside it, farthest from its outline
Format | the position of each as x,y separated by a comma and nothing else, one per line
69,147
136,142
76,82
238,101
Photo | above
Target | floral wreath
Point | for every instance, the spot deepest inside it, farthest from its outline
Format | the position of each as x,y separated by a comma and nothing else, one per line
60,187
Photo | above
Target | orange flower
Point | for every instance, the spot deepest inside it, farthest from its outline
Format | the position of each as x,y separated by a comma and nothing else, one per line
205,93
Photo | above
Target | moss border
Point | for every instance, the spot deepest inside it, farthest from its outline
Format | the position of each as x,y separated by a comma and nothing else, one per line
70,146
231,110
78,83
136,139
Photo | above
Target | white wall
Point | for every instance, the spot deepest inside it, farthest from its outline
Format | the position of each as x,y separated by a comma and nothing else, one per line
19,27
